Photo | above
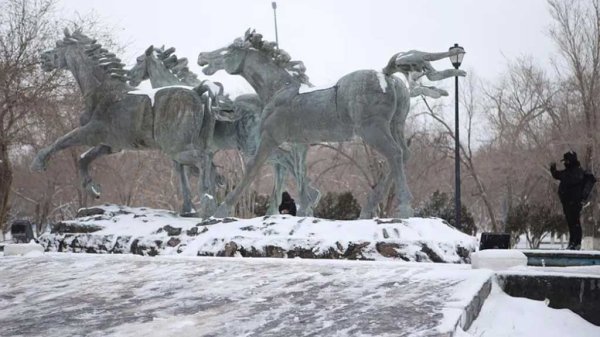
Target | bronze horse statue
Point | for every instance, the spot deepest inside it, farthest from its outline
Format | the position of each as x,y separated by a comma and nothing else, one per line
368,104
235,126
118,117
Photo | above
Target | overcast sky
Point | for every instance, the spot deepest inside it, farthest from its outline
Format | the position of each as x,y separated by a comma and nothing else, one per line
333,37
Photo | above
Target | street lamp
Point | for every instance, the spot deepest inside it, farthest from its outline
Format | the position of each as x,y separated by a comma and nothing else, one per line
456,60
274,5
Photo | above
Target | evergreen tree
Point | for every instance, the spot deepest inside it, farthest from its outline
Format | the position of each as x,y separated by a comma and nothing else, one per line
338,206
440,205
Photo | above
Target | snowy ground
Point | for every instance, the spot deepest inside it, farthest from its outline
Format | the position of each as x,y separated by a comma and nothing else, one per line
127,295
505,316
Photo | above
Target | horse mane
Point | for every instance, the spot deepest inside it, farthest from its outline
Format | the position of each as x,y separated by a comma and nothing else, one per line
279,56
177,66
107,61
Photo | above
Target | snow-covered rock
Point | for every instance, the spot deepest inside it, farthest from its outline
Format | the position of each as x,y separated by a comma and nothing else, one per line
144,231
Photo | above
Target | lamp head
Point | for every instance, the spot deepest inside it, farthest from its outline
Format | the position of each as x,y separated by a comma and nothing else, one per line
457,54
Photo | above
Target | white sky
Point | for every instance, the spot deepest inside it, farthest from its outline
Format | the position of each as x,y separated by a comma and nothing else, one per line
333,37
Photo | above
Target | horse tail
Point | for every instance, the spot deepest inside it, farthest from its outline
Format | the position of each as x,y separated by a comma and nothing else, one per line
399,118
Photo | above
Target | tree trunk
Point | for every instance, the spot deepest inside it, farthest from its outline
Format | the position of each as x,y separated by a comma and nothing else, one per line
5,183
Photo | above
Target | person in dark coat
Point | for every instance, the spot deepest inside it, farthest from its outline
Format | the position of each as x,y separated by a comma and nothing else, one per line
288,206
570,194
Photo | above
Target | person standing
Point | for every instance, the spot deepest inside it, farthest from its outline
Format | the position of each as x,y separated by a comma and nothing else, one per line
570,194
287,206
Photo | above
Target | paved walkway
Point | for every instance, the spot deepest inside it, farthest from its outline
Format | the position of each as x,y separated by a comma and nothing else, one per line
124,295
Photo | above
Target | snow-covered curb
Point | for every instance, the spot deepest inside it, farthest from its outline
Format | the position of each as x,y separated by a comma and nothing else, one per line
144,231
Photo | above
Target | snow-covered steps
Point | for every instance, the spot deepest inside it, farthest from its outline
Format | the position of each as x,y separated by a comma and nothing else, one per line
574,288
128,295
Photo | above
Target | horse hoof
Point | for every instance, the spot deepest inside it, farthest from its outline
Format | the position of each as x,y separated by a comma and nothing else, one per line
189,215
222,212
93,190
37,166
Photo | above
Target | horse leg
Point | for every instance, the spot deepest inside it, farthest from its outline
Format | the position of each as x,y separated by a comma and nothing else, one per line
188,206
435,75
202,161
207,185
84,168
379,136
375,197
79,136
309,196
266,147
279,173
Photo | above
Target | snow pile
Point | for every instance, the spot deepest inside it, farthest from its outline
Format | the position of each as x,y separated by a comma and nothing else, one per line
144,231
31,249
498,259
503,315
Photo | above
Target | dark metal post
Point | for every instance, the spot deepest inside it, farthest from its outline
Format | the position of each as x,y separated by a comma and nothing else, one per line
274,5
456,57
457,205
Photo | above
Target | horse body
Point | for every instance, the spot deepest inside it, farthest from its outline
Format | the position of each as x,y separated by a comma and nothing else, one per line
340,111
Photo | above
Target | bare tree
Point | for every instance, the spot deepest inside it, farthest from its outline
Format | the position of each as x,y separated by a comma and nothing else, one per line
576,32
26,27
467,147
522,117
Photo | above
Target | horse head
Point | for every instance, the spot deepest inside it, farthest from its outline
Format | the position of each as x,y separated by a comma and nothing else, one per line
139,72
260,62
77,48
230,58
162,67
56,58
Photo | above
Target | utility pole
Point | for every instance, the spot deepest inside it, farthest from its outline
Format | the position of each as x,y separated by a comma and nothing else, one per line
274,5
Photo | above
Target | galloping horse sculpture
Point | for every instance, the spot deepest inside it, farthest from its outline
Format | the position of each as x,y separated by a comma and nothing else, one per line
116,118
365,103
240,132
158,69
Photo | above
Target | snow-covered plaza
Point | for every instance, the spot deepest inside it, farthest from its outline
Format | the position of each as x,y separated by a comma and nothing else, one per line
68,292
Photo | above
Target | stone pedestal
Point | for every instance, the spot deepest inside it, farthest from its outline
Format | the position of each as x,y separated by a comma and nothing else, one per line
590,243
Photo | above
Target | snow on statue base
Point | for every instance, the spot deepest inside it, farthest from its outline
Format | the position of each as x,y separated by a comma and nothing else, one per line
590,243
144,231
498,259
23,249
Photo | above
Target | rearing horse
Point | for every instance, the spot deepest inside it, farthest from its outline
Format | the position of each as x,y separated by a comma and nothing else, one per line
365,103
117,118
162,68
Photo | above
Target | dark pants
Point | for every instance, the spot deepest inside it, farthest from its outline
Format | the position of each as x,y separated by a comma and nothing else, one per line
572,214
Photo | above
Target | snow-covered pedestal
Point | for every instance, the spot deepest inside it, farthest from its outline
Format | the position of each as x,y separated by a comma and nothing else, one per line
498,259
143,231
23,249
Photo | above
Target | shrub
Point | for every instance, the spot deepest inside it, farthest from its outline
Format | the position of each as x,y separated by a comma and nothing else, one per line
261,204
535,221
440,205
338,206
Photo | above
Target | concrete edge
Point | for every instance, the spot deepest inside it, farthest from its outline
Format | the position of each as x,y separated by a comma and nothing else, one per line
472,310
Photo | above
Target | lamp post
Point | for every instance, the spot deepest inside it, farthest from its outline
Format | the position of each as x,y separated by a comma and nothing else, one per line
456,60
274,5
